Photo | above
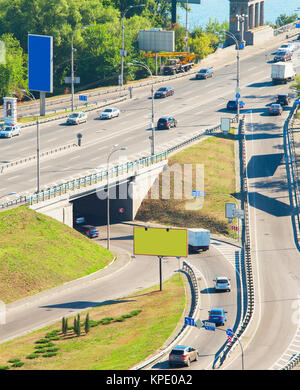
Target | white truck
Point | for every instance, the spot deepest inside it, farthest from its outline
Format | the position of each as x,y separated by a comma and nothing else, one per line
282,72
198,239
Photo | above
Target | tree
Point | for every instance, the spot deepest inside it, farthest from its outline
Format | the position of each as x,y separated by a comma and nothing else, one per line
13,72
87,323
284,19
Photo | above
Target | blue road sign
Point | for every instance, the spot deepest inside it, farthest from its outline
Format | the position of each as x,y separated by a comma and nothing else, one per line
209,325
189,321
229,332
297,25
297,101
83,98
237,95
198,193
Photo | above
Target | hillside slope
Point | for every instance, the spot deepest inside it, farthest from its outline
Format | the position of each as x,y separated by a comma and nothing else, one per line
37,252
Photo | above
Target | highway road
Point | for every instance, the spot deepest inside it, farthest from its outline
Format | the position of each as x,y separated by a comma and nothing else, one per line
198,105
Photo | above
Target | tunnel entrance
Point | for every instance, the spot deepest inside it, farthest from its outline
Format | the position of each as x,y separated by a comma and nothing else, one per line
94,207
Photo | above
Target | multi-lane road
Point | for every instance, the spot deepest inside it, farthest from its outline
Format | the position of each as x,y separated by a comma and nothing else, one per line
199,104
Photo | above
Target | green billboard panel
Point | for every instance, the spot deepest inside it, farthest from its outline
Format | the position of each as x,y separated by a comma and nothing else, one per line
165,242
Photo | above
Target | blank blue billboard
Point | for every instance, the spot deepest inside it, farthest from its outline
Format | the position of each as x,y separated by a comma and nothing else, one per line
40,63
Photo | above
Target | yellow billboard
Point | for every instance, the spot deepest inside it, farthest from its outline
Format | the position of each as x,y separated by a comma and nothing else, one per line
165,242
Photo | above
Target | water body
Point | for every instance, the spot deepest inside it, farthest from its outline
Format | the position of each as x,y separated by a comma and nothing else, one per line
219,9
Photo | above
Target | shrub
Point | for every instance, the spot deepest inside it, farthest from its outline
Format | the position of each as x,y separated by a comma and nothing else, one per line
49,344
4,367
43,350
42,341
120,319
94,323
135,312
32,356
52,349
50,354
15,360
18,364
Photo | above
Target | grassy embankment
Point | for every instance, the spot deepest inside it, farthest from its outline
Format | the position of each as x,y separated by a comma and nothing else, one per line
149,318
217,155
38,253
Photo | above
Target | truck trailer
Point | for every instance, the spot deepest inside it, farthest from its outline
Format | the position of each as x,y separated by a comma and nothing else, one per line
282,72
198,239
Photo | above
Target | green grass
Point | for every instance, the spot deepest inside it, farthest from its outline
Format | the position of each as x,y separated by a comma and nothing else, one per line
217,155
37,252
116,346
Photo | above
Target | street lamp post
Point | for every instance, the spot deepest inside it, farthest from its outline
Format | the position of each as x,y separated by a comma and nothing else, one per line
237,72
114,149
31,97
134,62
123,49
72,60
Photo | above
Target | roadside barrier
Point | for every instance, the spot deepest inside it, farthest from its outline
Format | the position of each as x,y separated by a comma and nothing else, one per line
91,179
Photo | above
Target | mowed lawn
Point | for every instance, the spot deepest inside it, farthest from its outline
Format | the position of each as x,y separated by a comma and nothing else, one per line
119,345
217,155
37,252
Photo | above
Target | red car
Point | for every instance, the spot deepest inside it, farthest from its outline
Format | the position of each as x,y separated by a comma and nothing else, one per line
275,109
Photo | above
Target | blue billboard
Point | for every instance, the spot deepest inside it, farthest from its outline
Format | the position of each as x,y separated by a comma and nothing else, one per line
40,63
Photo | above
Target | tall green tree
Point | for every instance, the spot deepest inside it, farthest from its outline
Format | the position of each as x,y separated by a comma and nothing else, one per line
13,72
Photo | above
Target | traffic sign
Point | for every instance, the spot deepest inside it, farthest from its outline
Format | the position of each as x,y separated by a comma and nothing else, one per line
234,228
229,332
237,95
83,98
198,193
189,321
199,324
209,325
121,210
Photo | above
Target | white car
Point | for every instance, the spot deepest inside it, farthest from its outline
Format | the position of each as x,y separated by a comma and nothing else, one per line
109,113
222,283
8,131
287,47
77,117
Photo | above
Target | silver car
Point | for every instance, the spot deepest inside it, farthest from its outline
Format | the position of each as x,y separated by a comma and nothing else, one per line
109,113
77,117
8,131
222,283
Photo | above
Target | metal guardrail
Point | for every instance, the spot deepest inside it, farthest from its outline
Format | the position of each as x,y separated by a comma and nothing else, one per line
246,252
90,179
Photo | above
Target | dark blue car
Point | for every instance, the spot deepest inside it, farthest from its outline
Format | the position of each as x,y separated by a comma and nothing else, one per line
232,105
218,316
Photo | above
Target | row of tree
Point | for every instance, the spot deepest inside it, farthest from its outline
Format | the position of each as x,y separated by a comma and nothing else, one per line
97,57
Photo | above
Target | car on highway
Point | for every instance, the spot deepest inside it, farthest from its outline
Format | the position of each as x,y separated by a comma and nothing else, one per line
275,109
283,57
8,131
232,104
110,113
204,73
287,46
182,355
76,118
217,316
166,122
164,92
89,231
283,99
222,283
79,220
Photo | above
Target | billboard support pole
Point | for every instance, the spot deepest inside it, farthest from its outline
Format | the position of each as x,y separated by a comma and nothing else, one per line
42,103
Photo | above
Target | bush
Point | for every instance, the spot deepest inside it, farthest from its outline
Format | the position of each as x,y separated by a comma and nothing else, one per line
18,364
120,319
49,344
94,323
52,349
42,341
15,360
4,367
135,312
50,354
32,356
42,350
